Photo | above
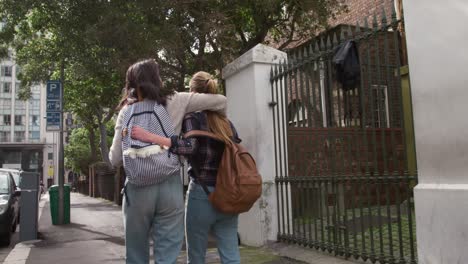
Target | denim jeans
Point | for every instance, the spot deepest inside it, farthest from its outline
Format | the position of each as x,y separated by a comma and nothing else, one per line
156,210
200,219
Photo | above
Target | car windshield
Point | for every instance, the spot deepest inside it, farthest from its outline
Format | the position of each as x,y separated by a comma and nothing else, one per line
16,177
4,183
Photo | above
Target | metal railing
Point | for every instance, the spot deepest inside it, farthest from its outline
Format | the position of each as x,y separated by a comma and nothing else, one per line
342,175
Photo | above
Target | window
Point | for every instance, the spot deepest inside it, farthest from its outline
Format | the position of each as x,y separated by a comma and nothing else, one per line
34,104
4,136
50,155
20,105
5,104
19,136
7,120
19,120
34,120
34,135
380,106
297,113
6,87
35,88
6,71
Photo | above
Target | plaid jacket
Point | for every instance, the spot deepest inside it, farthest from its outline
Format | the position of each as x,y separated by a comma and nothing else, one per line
204,153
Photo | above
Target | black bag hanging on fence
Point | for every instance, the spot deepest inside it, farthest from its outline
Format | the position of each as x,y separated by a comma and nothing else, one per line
346,64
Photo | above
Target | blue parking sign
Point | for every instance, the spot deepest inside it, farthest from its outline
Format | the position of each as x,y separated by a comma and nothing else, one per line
54,89
54,105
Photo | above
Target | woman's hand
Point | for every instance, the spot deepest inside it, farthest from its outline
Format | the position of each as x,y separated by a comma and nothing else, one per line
141,134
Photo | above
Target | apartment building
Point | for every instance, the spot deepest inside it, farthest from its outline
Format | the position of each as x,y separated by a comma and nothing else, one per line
24,142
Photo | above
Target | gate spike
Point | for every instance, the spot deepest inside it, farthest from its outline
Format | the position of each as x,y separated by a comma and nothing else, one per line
384,18
335,40
358,28
350,31
394,14
280,68
317,47
366,24
304,52
311,50
322,44
271,72
342,35
375,24
328,43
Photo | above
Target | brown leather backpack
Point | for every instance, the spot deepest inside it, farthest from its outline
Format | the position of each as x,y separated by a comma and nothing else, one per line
238,183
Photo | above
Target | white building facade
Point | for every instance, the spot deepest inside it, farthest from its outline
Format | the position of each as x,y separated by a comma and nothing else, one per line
24,142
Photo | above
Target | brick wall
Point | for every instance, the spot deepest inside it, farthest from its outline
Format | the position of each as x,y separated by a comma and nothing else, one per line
358,10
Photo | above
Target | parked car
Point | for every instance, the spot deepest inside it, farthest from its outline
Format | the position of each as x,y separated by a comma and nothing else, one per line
9,207
16,175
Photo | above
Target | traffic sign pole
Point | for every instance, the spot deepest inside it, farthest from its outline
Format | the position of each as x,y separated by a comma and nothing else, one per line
54,118
61,154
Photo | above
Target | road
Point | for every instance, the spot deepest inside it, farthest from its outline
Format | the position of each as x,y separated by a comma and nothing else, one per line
4,251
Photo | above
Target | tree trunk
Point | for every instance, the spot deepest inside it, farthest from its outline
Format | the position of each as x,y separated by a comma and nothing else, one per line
92,144
103,143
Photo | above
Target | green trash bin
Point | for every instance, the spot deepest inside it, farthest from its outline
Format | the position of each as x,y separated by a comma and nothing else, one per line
54,203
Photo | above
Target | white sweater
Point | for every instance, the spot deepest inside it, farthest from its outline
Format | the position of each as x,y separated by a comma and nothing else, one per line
177,106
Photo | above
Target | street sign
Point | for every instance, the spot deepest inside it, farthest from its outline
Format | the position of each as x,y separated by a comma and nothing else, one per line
53,90
53,121
54,105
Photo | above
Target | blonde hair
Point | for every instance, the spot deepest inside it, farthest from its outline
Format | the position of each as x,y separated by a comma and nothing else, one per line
218,124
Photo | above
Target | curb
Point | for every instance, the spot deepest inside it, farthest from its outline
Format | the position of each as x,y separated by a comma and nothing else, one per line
20,253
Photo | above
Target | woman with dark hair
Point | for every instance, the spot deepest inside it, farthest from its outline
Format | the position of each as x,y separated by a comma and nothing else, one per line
157,200
204,156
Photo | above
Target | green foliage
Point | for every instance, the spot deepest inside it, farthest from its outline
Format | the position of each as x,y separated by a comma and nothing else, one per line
78,151
91,43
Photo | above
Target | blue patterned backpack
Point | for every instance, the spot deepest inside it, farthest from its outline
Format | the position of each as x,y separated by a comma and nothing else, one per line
145,163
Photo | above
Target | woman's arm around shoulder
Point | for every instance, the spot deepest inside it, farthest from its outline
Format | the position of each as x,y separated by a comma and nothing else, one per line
115,152
192,102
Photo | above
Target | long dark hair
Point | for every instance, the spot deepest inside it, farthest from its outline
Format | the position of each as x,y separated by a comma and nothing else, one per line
144,75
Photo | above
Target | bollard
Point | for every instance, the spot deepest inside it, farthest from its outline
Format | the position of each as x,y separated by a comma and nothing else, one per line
29,205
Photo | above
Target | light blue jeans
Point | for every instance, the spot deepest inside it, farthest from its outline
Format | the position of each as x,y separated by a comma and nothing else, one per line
157,209
200,219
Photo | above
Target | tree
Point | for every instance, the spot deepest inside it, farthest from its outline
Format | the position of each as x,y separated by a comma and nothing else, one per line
77,152
206,35
96,40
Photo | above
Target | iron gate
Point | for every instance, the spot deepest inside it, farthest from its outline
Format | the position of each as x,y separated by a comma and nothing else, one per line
343,176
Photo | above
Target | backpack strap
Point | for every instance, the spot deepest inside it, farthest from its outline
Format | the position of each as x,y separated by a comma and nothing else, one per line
202,133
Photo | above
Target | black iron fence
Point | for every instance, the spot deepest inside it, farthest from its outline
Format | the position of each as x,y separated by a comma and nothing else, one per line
343,177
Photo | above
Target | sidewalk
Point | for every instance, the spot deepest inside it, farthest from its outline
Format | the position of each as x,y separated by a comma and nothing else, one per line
95,235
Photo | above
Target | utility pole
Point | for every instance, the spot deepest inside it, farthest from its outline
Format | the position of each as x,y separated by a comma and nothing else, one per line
61,176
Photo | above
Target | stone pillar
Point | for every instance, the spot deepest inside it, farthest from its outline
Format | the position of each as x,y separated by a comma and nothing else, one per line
249,92
438,63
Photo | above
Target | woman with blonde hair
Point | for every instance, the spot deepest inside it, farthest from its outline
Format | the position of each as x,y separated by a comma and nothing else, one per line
204,155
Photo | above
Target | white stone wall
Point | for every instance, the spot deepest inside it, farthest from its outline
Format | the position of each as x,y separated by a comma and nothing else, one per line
249,92
438,58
